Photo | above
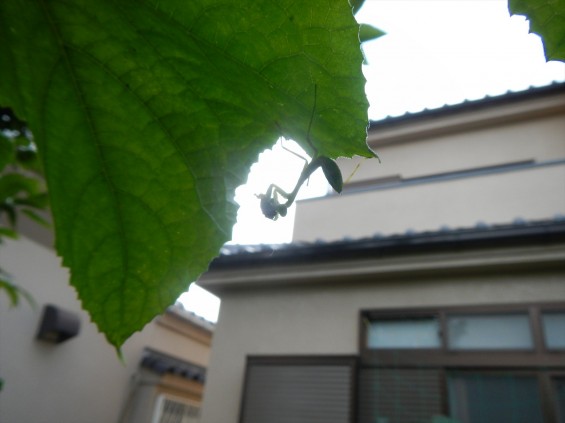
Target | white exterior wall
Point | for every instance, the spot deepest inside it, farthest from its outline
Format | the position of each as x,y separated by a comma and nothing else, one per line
82,379
324,320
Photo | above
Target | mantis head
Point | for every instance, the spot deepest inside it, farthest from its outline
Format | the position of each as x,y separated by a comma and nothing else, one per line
271,208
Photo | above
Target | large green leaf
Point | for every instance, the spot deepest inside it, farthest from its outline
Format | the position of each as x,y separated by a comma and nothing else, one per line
148,115
547,19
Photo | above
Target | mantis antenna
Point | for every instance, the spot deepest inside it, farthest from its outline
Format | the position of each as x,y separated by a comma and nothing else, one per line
271,207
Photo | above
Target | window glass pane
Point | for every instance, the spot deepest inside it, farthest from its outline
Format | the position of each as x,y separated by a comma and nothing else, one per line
404,333
479,398
554,330
472,332
388,395
559,386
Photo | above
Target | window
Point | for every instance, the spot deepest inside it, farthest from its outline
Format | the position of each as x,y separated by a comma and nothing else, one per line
477,397
422,332
299,390
554,330
170,409
391,394
503,364
489,331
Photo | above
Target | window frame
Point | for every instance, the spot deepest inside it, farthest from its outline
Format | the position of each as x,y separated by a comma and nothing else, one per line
547,364
538,356
159,405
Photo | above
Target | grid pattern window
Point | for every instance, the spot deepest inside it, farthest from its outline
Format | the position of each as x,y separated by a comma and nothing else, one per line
493,397
503,364
175,410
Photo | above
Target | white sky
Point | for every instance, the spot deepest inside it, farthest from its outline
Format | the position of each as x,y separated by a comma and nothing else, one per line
435,53
445,51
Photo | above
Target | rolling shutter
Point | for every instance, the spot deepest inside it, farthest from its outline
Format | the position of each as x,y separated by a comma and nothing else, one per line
294,390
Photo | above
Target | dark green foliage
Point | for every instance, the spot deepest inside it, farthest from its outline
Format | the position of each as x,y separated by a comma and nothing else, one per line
547,19
148,114
22,190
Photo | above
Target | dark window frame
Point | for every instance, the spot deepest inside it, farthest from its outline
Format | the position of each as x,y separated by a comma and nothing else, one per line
552,400
547,364
538,356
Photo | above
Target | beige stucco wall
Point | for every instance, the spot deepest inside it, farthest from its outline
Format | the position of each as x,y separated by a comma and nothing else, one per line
82,379
323,319
530,194
539,138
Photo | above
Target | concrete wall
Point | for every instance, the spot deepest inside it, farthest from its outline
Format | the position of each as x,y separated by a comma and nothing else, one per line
324,320
82,379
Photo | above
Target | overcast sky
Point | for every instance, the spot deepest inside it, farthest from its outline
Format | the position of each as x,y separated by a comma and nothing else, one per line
446,51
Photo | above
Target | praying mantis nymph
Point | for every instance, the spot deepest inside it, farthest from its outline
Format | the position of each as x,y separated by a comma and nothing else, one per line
270,205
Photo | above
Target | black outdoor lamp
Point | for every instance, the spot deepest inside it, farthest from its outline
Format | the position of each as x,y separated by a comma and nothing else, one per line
58,325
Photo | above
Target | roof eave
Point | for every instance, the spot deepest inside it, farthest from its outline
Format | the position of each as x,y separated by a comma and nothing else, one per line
512,247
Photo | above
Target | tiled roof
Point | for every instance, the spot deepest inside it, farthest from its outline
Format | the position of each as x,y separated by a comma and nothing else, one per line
520,230
162,363
466,105
179,311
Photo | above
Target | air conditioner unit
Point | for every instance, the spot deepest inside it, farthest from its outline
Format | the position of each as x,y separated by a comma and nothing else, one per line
170,409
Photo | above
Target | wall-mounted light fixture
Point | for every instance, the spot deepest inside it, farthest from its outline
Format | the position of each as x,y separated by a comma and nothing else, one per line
58,325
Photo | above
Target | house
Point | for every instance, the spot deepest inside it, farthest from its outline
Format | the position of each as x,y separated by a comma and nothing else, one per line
431,290
57,367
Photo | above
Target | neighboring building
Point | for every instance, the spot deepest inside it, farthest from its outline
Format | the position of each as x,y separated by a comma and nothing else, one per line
82,379
434,290
491,161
